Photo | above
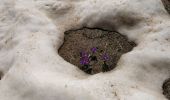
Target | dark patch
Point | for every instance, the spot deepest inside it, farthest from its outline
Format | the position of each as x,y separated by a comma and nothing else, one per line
167,5
112,43
114,21
1,74
128,19
166,88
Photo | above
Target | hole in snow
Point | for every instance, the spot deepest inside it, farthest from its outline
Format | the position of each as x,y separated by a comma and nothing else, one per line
94,50
166,88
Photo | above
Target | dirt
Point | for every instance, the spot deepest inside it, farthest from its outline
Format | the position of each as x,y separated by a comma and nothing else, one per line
107,43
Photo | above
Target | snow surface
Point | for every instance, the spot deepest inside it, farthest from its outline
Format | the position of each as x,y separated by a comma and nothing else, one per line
31,31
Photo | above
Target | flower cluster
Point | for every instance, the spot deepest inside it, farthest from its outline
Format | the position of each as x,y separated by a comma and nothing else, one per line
86,59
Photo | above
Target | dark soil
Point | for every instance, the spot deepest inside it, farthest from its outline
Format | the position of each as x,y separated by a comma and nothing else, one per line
166,88
106,42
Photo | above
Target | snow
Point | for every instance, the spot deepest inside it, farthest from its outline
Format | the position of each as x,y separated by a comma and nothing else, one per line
31,31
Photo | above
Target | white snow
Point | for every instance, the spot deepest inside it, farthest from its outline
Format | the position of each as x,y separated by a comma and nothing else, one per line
31,31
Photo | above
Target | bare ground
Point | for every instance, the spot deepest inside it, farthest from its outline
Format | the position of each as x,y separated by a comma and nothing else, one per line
106,42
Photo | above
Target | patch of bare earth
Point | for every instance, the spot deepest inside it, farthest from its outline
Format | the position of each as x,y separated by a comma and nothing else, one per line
111,43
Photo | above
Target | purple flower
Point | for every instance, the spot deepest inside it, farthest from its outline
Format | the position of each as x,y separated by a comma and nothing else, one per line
105,57
84,61
94,49
85,58
84,54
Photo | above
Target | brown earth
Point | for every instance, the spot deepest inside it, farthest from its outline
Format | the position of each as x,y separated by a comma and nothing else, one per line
112,43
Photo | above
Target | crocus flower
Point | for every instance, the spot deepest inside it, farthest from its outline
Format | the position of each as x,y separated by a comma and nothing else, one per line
84,60
84,54
105,57
94,49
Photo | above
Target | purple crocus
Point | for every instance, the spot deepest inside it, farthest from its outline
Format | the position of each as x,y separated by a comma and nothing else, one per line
105,57
84,60
84,54
94,49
